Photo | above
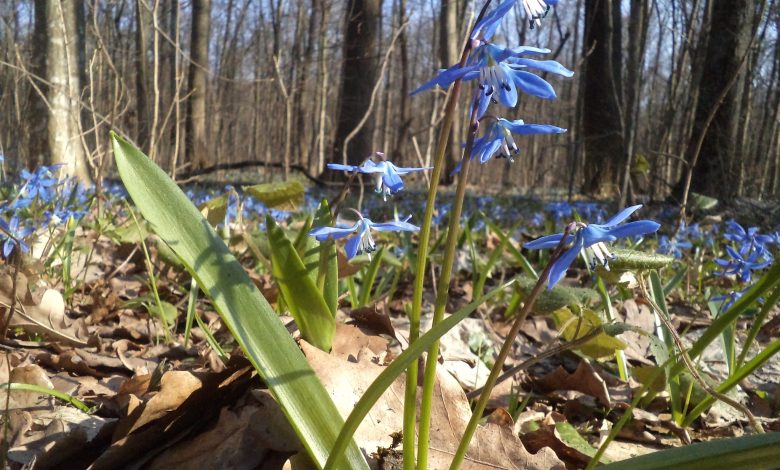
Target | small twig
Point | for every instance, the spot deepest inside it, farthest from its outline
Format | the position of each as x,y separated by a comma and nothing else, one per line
692,368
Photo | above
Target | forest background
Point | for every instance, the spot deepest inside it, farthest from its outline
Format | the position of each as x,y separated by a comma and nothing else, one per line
286,86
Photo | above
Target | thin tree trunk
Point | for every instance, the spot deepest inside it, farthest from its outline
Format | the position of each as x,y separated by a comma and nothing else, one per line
197,146
64,126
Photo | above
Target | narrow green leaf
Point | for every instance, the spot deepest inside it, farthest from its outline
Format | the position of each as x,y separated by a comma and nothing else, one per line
759,289
397,367
756,452
287,195
243,309
328,272
300,293
48,391
369,277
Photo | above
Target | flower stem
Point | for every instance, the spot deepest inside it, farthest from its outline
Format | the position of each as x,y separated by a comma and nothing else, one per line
453,230
410,396
460,454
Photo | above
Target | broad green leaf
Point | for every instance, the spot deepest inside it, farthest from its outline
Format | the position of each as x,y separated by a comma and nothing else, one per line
254,324
569,435
577,326
398,367
756,452
169,312
300,293
287,195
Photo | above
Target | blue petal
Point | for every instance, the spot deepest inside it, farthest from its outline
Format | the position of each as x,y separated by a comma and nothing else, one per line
546,242
446,77
562,264
533,85
391,179
352,245
640,227
340,167
528,129
395,226
404,171
8,246
593,234
487,26
500,54
323,233
550,66
621,216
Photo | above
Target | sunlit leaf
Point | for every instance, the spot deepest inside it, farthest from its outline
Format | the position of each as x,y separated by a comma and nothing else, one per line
286,195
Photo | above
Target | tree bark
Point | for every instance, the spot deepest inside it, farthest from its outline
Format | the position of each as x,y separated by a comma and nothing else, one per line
359,74
62,72
602,126
729,36
37,125
197,147
141,79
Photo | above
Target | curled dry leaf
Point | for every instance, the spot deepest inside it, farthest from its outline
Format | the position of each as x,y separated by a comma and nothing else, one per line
493,446
46,317
585,379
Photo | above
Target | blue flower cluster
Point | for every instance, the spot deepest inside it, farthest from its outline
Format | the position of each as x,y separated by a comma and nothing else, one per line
388,183
502,73
748,252
39,200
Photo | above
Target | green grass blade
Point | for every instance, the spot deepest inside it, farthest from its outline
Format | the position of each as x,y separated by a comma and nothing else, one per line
398,367
303,299
369,277
48,391
243,309
328,271
756,452
759,289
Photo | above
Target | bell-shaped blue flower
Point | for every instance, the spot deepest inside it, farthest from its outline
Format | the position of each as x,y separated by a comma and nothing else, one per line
388,176
361,240
14,234
591,238
741,265
501,73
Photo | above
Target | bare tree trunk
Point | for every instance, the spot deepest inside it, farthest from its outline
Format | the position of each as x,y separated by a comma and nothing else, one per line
729,36
197,147
63,75
359,73
602,124
36,142
141,78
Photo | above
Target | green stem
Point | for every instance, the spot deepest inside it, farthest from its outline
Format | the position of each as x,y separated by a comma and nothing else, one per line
506,348
442,295
410,395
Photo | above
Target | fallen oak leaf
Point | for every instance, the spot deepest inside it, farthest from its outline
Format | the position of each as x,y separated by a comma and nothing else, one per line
584,379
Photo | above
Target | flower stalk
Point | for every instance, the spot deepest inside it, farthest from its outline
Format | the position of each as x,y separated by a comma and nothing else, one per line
410,396
506,348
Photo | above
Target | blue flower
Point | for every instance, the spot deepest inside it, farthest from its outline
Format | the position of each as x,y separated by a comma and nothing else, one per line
560,210
39,184
673,247
14,235
747,239
388,179
728,300
501,73
740,266
361,240
486,28
498,138
591,239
